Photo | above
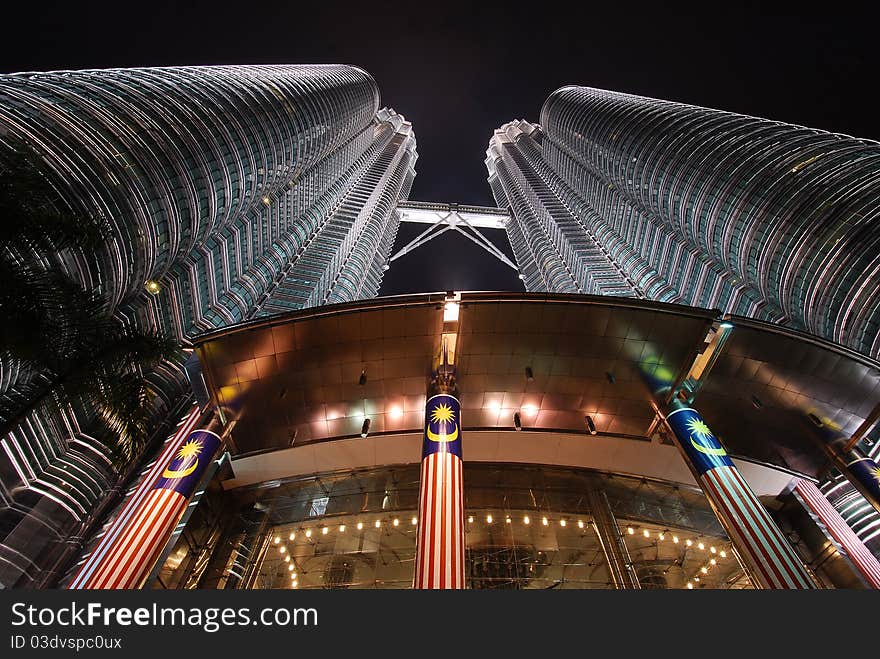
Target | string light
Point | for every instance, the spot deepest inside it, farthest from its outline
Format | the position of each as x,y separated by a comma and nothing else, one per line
646,533
282,549
277,539
526,520
662,536
325,530
580,523
378,524
508,520
396,522
488,519
360,526
342,528
470,519
287,559
688,542
723,554
290,567
701,546
704,569
630,530
675,539
294,584
544,521
713,562
690,585
712,549
308,533
562,522
292,535
415,521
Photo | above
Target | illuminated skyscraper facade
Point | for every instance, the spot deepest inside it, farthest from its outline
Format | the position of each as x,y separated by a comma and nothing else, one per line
624,195
617,194
230,192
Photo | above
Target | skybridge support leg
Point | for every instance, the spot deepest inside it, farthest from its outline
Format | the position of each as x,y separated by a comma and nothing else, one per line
136,538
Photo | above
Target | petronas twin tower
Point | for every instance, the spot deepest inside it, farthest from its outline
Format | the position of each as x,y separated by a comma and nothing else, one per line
237,192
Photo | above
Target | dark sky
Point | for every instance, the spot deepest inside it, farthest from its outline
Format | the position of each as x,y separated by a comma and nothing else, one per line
458,72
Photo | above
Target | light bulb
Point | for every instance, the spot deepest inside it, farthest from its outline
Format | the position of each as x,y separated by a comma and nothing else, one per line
544,521
526,520
292,535
470,519
713,561
712,549
488,519
508,520
325,530
277,539
696,578
415,520
688,542
675,539
378,524
723,554
662,536
630,530
701,546
290,567
690,586
342,528
360,526
282,549
308,533
396,521
704,569
294,584
287,559
580,523
646,533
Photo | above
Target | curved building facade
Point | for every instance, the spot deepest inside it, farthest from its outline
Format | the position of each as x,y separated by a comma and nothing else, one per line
229,192
660,200
574,474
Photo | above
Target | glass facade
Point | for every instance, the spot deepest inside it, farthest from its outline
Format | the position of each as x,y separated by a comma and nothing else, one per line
624,195
526,528
233,191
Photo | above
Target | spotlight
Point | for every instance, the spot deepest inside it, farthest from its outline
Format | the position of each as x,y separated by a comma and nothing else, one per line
591,427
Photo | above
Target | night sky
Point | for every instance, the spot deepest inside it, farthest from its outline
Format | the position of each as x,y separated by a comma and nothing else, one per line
458,72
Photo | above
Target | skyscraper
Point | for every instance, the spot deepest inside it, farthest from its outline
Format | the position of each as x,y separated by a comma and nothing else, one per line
617,194
624,195
230,192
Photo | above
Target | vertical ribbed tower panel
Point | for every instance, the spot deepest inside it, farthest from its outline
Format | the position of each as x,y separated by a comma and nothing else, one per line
217,183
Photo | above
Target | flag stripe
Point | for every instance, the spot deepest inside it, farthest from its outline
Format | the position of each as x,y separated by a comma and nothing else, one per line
440,538
762,545
107,548
861,557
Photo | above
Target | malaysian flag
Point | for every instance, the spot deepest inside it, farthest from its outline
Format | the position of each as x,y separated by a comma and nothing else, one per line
769,557
137,537
440,534
837,527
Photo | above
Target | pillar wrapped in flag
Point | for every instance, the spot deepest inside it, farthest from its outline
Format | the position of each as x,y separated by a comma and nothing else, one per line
767,555
440,535
139,536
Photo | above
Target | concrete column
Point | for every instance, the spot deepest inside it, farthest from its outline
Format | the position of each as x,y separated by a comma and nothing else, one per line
827,516
766,554
136,538
440,552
